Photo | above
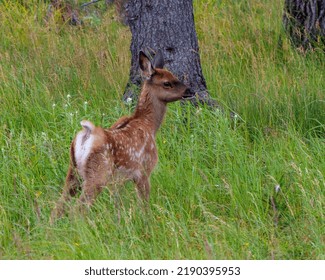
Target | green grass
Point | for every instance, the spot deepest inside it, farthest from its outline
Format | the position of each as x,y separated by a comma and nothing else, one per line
213,188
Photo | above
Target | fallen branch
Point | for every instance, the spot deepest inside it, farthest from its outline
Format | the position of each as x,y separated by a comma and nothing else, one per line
89,3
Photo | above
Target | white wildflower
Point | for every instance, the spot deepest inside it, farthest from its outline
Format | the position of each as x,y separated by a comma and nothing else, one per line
277,188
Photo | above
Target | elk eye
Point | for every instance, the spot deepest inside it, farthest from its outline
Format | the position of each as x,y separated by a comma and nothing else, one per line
167,84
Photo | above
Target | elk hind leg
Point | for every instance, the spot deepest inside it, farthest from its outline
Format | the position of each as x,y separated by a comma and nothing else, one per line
94,183
71,187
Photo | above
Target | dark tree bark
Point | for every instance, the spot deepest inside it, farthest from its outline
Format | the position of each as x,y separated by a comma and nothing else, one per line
304,20
165,25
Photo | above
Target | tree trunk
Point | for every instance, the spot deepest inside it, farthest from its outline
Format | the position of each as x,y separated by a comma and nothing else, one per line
304,20
165,25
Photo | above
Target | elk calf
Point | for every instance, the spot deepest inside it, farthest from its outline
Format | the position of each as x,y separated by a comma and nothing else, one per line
127,150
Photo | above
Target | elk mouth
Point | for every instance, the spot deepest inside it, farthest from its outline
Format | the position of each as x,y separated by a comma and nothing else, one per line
188,94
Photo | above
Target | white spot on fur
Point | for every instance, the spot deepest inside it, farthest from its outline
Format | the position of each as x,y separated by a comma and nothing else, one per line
139,154
137,174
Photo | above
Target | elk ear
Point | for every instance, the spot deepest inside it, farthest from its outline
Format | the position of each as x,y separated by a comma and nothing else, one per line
145,65
158,61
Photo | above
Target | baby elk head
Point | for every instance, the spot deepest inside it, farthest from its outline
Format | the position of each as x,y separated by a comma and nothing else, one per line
163,84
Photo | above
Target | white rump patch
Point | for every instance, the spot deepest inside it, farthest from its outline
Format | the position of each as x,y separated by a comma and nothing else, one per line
87,125
83,145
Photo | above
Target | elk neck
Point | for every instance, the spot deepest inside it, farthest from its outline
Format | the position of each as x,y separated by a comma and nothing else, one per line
150,109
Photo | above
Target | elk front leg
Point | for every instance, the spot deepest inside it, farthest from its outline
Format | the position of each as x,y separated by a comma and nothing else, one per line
143,187
72,184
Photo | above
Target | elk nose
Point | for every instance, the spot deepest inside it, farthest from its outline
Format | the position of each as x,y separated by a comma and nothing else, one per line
188,94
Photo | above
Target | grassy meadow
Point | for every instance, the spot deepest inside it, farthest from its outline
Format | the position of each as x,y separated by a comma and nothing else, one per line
248,188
